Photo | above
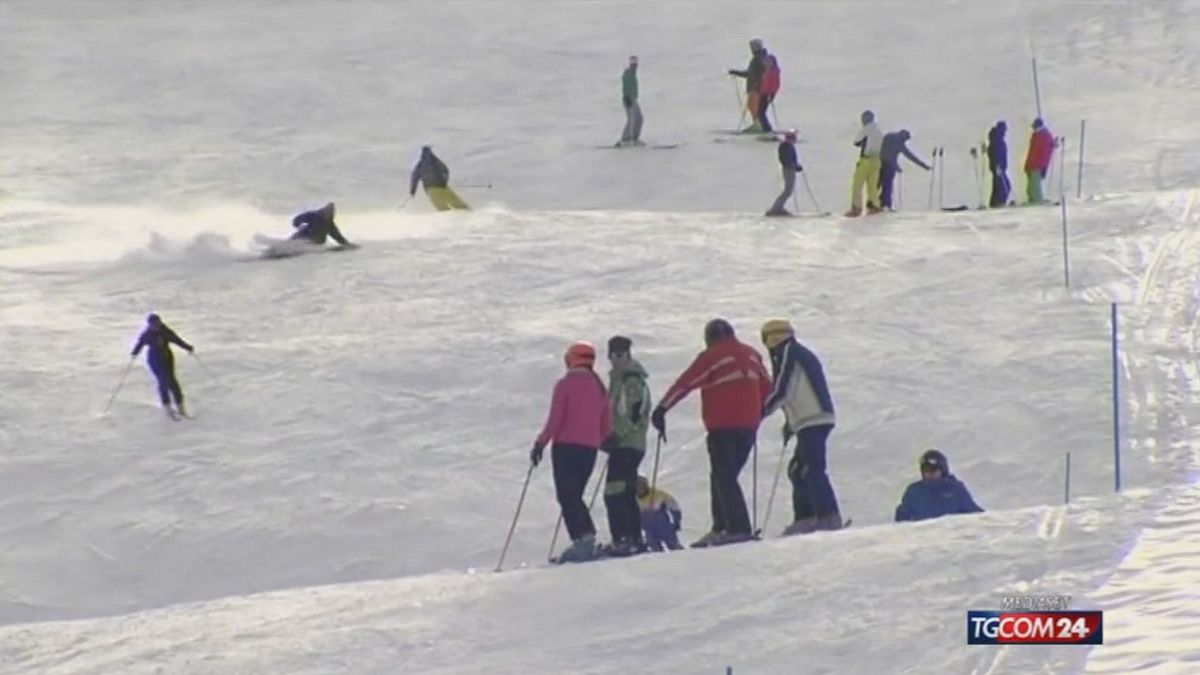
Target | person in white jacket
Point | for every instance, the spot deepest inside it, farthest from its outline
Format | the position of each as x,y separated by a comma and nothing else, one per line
866,172
801,391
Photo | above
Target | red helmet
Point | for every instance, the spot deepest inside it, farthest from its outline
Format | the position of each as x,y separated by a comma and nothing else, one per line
580,354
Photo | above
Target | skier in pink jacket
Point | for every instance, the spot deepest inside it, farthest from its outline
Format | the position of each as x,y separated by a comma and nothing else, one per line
578,423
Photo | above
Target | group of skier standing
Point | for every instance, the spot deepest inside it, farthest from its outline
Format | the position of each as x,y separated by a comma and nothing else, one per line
737,393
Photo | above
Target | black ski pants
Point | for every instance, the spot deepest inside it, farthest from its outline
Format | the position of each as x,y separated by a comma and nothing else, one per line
573,466
728,450
887,176
1000,189
764,110
163,370
620,494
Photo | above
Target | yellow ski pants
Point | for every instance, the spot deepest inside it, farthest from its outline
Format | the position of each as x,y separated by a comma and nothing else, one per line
445,199
866,174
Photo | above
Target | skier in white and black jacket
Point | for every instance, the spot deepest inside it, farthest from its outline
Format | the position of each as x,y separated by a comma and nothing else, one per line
800,389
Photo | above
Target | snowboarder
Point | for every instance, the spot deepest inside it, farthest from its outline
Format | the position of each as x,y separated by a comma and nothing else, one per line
157,338
894,145
866,171
768,88
632,134
997,152
938,493
733,386
801,390
789,165
754,76
1037,161
661,516
629,399
578,422
434,175
316,226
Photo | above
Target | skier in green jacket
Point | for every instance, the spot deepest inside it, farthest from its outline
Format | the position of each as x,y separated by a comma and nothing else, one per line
629,397
632,135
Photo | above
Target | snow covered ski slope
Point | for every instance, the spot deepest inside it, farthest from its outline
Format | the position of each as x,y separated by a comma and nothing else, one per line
363,423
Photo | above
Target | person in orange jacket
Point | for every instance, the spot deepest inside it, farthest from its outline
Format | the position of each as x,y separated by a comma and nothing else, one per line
1037,161
767,89
734,385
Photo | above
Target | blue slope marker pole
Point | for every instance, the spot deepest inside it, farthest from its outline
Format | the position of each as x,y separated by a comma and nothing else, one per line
1116,405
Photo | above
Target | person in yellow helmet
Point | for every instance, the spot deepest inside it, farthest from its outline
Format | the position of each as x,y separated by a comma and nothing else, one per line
800,389
661,516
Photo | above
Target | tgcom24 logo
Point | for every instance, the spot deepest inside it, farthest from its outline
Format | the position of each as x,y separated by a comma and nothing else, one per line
1068,627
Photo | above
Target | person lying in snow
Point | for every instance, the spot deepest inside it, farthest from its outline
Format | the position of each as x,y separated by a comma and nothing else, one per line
937,494
661,516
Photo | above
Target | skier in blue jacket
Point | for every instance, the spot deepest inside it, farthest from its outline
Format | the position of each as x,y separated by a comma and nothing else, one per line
937,494
157,339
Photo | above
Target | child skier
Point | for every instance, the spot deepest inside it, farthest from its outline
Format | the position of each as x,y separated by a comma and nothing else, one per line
661,516
578,422
937,494
157,338
789,165
632,134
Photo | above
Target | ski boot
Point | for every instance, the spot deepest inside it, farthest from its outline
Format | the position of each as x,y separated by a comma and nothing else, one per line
707,540
580,550
801,526
830,522
854,212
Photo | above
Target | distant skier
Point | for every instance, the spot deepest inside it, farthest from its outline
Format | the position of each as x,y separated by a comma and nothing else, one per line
661,516
316,226
629,399
157,338
801,390
433,173
866,171
754,76
767,90
1037,161
733,386
938,493
578,422
632,134
894,145
789,165
997,152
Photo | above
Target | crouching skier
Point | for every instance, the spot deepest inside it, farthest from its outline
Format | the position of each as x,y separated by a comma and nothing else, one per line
578,422
316,226
801,390
157,339
661,516
938,493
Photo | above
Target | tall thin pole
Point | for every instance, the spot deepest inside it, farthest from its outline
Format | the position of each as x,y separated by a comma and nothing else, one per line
1079,182
1037,89
1062,200
1116,403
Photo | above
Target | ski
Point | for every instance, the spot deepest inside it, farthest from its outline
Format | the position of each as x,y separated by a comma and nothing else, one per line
647,146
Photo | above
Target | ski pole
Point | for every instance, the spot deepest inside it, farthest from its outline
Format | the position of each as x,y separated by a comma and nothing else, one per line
203,365
900,190
754,489
808,189
975,172
558,525
932,175
774,114
942,178
120,383
654,475
775,484
737,91
487,186
513,528
404,203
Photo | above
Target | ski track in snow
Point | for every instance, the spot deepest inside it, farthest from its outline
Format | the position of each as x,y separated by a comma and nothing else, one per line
363,420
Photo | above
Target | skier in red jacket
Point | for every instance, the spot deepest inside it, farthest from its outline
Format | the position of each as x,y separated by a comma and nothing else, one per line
734,385
1037,161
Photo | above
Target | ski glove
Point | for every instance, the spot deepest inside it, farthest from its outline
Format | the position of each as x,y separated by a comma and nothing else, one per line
535,454
659,419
